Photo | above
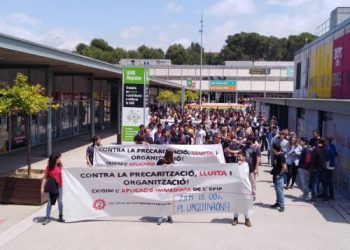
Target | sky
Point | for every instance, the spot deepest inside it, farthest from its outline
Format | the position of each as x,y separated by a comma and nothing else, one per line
158,23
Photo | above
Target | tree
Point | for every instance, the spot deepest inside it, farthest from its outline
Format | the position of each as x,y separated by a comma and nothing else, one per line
81,48
213,58
134,54
192,96
177,54
177,96
24,98
252,46
100,44
150,53
165,96
194,54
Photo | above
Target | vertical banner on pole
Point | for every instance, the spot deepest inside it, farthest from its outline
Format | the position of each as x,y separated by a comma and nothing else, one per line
134,112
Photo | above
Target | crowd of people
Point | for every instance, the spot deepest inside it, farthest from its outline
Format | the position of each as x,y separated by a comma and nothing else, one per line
243,134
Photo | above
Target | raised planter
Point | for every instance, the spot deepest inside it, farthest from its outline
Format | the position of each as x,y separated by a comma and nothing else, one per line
17,188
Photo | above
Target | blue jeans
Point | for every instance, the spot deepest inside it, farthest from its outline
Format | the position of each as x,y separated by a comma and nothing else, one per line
59,201
314,177
327,184
279,182
304,180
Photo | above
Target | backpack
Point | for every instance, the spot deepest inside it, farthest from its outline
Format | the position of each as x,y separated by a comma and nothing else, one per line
308,161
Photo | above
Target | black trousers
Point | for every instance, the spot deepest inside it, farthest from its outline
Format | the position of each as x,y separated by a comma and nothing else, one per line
292,174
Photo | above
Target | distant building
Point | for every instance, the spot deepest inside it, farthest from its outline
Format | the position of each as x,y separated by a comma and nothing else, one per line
144,62
229,82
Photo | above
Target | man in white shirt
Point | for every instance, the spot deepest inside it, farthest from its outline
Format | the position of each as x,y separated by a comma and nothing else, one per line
200,135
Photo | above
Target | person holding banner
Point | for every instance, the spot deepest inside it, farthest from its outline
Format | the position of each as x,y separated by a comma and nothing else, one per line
167,160
52,185
96,141
244,168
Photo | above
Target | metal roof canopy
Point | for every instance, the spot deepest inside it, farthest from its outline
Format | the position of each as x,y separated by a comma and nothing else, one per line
15,52
20,53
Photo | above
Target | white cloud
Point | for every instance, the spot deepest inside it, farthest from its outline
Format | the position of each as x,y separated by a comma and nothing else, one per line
184,41
215,39
131,32
56,37
62,39
173,7
287,2
295,17
301,18
227,8
23,19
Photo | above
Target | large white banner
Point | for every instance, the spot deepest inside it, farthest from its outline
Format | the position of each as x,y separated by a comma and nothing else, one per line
91,193
149,154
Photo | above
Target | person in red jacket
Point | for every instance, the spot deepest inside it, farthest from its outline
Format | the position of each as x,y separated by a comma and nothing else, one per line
52,185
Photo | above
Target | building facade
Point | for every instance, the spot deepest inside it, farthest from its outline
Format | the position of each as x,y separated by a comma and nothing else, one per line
226,83
321,93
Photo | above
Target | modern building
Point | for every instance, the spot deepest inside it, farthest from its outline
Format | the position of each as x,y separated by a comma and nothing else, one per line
321,96
226,83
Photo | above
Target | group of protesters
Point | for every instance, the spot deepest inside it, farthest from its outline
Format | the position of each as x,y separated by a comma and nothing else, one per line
245,131
243,134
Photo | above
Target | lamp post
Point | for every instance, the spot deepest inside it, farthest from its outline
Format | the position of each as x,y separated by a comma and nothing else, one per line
201,64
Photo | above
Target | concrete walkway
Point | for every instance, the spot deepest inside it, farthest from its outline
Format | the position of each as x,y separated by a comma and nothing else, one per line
302,225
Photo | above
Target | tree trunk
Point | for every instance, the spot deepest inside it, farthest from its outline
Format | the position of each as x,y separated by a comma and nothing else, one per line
29,147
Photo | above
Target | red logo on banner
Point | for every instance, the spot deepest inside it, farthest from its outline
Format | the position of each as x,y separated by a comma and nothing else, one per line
99,204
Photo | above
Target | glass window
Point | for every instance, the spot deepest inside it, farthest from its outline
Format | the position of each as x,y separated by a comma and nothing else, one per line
64,96
298,77
38,76
18,127
80,89
97,97
4,134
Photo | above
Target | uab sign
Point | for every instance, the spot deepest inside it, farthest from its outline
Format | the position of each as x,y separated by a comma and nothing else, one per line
133,75
134,112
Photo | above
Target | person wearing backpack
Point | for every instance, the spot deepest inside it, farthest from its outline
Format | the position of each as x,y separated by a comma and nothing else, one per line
304,168
52,185
319,159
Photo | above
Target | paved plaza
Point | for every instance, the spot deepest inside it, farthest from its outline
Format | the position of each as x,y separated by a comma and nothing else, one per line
302,225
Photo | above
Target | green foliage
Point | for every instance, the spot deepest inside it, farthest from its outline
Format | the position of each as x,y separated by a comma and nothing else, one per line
150,53
100,44
177,54
24,98
194,54
240,46
252,46
192,96
166,96
211,58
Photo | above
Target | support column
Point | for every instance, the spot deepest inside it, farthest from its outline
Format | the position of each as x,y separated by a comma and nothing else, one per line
92,107
49,88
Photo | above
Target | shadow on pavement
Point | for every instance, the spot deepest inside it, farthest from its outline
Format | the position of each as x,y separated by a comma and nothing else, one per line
222,221
263,205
